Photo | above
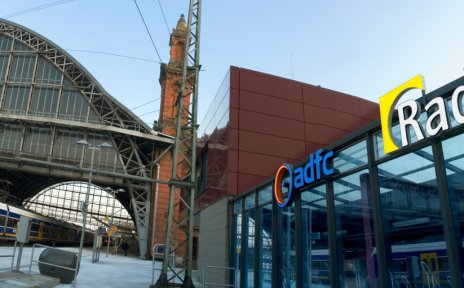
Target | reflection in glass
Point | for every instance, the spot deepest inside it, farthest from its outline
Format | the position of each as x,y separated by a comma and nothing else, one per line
288,263
315,238
454,163
238,206
355,239
378,145
265,195
215,115
413,221
351,157
237,240
249,249
250,201
265,249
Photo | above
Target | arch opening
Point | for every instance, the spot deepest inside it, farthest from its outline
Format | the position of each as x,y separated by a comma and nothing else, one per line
63,201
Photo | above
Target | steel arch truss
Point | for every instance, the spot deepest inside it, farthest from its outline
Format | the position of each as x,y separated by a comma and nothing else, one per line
111,112
133,140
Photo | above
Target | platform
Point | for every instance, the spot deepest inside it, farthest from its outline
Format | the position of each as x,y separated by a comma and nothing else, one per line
22,280
116,271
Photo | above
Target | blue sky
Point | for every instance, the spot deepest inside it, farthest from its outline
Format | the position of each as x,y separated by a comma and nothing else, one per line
363,48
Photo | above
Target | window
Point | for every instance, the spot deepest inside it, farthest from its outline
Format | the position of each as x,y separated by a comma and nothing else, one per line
351,157
265,247
44,101
315,238
354,230
22,68
412,216
16,99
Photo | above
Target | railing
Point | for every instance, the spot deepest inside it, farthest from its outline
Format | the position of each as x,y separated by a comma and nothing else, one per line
448,278
403,278
360,283
205,283
430,277
12,255
159,255
49,264
405,281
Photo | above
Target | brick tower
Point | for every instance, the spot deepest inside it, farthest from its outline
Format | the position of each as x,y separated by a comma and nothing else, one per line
170,78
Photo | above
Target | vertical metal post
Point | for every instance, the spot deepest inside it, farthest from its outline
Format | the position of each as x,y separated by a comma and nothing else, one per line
14,254
450,224
184,151
193,152
84,211
334,263
381,239
298,242
111,223
20,255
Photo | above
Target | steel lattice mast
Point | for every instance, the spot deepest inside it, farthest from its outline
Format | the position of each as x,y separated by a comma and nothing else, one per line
184,156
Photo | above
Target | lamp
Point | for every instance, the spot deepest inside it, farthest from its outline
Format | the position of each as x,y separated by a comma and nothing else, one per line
87,194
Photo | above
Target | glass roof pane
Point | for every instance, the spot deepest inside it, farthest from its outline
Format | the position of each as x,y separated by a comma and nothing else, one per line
63,201
351,157
416,159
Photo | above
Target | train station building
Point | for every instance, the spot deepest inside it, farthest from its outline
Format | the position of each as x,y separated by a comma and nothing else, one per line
300,186
49,105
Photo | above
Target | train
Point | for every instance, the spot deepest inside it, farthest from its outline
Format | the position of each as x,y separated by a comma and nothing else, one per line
44,230
415,265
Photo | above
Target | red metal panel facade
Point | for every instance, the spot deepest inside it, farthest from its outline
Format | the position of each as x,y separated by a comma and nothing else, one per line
272,120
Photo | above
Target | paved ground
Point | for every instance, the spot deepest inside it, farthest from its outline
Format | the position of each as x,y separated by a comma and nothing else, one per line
116,271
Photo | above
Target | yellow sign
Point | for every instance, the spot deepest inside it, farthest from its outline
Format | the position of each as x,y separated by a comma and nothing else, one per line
436,118
387,107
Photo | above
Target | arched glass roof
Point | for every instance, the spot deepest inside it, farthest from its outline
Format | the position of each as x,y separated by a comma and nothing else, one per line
63,201
49,102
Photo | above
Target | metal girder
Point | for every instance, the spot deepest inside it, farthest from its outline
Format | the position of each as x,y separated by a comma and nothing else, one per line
184,157
134,140
111,111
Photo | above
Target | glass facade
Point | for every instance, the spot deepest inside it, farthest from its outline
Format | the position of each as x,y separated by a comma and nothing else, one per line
314,237
213,144
354,231
380,221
